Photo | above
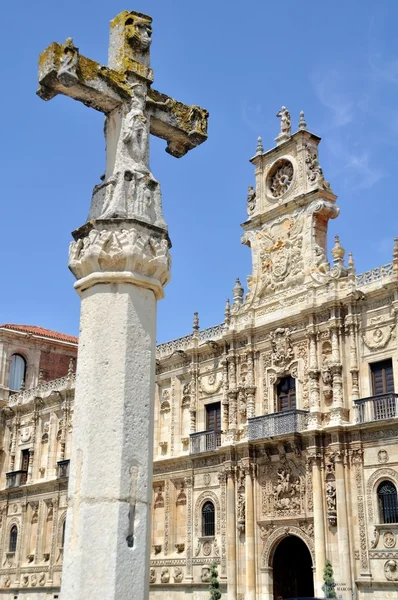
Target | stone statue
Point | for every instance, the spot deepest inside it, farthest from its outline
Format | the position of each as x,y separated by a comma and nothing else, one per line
284,116
251,199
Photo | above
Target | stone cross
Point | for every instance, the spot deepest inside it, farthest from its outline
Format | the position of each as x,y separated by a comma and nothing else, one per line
121,262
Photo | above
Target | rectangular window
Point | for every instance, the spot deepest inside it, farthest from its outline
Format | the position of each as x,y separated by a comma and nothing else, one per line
286,392
24,460
382,377
213,416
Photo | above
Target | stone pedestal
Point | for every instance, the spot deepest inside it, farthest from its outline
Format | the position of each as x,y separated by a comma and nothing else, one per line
121,268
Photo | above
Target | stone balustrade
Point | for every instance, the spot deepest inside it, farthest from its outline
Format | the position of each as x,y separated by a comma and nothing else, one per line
376,274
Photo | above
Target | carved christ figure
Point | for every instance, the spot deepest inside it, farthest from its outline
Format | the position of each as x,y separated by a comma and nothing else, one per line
132,151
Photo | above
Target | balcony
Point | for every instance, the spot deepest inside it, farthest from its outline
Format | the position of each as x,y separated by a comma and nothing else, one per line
376,408
280,423
63,469
16,478
204,441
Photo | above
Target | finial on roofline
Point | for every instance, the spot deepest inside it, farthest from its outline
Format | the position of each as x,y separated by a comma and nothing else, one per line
195,326
227,313
260,147
395,258
338,251
238,292
302,124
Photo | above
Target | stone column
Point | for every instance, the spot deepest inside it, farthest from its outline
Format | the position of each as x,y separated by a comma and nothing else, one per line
313,373
342,526
319,523
188,482
225,404
121,267
231,534
336,369
351,328
250,535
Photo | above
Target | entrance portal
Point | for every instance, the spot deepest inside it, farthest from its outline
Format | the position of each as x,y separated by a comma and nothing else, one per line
292,569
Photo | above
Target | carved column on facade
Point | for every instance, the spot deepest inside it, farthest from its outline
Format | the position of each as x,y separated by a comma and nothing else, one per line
21,545
352,331
225,387
53,557
3,516
14,438
250,387
357,462
313,374
222,477
315,461
231,533
336,368
249,470
64,428
194,392
342,519
188,483
166,516
232,397
172,415
35,422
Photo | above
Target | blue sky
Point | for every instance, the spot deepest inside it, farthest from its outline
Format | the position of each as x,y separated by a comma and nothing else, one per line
338,61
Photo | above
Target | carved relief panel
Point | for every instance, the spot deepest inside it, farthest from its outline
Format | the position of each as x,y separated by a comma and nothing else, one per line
283,489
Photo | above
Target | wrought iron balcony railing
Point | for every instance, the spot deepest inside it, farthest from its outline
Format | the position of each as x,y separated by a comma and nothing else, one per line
280,423
376,408
63,468
16,478
203,441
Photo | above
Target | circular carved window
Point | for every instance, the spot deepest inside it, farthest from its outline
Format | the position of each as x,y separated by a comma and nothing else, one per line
280,178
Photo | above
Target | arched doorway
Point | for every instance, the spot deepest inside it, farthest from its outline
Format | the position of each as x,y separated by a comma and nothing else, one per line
292,569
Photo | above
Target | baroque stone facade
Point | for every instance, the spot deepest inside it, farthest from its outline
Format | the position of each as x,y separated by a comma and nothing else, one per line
275,431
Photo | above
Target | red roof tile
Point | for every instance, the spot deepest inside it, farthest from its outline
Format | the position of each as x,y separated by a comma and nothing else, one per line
41,331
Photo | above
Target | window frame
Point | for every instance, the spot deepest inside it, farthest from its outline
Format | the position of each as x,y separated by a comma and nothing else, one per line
11,374
13,539
382,508
208,528
382,369
287,378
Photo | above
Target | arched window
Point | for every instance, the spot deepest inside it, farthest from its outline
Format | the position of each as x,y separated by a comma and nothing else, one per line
63,534
388,502
208,523
13,539
17,372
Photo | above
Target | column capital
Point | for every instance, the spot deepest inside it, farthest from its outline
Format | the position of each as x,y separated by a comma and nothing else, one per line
230,471
120,251
189,481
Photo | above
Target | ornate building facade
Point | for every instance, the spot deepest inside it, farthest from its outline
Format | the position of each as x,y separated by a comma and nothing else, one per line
275,432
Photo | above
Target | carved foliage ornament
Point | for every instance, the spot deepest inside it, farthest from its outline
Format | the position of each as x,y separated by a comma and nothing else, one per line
132,250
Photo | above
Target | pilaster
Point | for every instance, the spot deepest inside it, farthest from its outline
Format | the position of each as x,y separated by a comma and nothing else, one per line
231,533
319,520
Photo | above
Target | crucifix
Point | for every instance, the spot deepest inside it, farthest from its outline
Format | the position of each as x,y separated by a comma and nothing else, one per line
120,258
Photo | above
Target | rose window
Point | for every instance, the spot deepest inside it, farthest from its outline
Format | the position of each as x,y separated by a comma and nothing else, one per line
280,178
